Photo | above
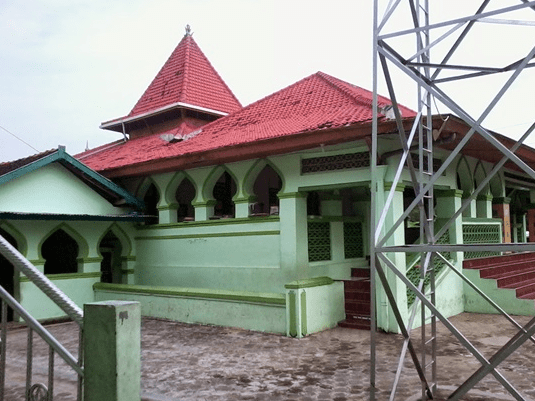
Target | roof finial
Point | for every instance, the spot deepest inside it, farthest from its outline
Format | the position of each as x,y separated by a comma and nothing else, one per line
188,30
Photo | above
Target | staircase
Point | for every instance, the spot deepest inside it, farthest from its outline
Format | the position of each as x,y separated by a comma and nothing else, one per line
508,279
357,300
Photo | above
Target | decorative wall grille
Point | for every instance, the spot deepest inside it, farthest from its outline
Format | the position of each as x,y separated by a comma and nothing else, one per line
353,240
336,162
481,234
413,271
319,241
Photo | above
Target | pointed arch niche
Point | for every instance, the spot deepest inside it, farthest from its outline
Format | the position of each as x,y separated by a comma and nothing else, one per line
61,250
114,247
184,195
150,194
219,190
266,186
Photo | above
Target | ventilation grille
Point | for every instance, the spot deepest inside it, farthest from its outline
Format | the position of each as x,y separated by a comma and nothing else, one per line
337,162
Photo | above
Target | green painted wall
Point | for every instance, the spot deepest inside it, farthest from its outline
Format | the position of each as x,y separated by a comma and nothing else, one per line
241,253
78,286
504,297
228,256
52,189
41,307
247,310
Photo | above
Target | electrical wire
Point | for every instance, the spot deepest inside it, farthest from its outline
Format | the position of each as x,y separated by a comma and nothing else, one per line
24,142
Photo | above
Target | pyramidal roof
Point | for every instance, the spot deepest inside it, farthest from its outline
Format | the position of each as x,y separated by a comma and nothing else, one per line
187,79
309,109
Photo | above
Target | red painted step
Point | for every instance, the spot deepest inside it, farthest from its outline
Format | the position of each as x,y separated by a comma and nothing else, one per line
498,260
515,280
357,300
514,271
505,269
527,287
359,322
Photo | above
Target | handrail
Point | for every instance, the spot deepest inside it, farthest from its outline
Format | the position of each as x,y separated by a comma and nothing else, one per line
45,335
41,281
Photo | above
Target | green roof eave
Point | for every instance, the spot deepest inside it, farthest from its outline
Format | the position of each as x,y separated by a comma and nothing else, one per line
83,172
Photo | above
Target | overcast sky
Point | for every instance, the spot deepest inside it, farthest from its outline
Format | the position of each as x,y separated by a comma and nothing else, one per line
68,65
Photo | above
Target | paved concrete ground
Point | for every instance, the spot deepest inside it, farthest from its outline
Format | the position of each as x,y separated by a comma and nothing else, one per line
194,362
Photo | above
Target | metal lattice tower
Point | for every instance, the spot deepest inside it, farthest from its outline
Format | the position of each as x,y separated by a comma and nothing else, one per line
430,77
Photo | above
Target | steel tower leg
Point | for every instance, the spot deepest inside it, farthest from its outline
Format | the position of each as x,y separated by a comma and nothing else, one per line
427,75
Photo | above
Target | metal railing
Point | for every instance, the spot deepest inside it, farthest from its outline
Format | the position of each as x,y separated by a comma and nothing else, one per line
38,391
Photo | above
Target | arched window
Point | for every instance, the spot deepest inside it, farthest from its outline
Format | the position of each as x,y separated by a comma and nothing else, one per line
266,187
7,272
60,252
151,199
110,248
185,193
224,190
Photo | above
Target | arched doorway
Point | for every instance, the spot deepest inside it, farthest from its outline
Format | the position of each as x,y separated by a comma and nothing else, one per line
7,273
60,252
110,248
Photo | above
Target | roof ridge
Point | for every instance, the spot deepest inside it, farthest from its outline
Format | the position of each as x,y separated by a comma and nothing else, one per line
332,81
186,68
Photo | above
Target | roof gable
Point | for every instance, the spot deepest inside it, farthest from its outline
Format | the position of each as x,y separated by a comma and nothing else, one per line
104,187
187,77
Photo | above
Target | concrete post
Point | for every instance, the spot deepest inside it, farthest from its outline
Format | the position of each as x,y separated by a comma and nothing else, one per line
168,213
331,205
448,202
204,210
385,318
500,207
484,206
112,351
293,236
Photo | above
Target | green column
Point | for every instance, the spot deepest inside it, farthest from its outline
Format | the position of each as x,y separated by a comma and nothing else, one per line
385,316
293,236
112,351
331,205
484,206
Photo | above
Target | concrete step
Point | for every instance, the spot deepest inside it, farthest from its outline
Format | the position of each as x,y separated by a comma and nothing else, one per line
357,284
515,280
358,307
357,300
531,295
357,295
526,288
499,260
357,322
360,272
505,269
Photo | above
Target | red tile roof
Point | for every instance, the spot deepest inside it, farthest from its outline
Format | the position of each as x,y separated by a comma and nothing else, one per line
318,102
186,77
